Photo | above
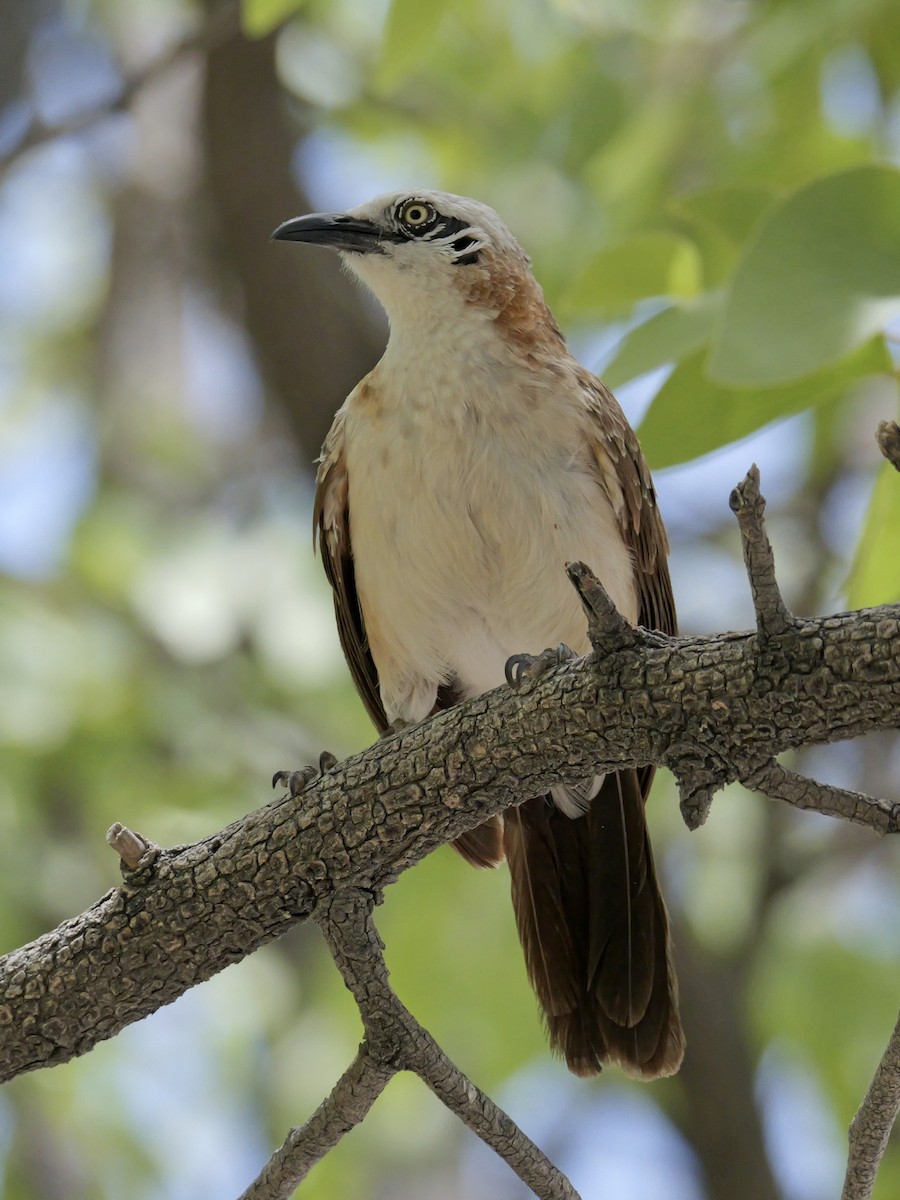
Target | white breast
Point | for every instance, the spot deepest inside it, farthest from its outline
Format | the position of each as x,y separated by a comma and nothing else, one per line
467,497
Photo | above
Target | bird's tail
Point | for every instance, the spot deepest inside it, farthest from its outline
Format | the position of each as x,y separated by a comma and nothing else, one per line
594,929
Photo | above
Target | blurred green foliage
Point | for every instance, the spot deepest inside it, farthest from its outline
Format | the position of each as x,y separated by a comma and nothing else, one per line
709,192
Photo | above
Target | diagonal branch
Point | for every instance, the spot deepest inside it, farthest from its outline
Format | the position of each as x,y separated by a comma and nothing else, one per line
713,709
350,1100
394,1041
871,1127
710,708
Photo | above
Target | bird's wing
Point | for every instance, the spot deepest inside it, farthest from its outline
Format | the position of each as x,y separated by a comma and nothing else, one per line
483,845
331,530
625,477
590,914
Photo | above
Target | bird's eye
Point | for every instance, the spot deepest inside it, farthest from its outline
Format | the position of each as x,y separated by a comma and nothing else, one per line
417,216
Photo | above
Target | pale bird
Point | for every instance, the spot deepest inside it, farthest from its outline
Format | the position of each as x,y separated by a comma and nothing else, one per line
458,479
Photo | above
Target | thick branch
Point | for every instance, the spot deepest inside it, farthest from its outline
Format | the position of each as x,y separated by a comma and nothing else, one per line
713,709
708,707
871,1127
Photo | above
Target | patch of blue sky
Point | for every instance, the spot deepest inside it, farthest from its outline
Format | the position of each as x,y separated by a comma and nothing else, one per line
47,478
340,171
610,1141
803,1139
54,241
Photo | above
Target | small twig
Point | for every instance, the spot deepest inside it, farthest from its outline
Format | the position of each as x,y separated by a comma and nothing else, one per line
129,846
607,628
695,797
219,26
871,1127
394,1041
778,783
773,618
350,1100
888,438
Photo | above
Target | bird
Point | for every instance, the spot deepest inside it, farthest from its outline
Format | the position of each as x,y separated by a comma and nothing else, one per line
460,475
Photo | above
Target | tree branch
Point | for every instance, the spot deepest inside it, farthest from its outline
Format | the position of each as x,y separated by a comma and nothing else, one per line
778,783
217,26
773,618
394,1041
350,1100
871,1127
713,709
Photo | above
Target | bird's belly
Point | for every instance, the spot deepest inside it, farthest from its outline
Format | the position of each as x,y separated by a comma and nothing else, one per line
460,553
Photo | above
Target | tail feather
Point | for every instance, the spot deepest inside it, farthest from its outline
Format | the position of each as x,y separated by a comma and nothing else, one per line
622,907
594,930
483,845
539,871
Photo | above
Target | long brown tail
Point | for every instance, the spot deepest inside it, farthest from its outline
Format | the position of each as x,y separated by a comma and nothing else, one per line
594,929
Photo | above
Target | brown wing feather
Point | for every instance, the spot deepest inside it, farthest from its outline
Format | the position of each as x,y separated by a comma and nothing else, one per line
589,911
482,847
331,530
626,477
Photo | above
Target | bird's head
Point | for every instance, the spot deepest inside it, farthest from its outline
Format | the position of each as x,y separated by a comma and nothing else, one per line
428,252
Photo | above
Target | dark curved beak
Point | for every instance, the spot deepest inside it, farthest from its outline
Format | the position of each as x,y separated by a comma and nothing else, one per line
333,229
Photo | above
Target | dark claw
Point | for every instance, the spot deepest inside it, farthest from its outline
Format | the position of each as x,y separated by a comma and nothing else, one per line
515,668
297,782
527,669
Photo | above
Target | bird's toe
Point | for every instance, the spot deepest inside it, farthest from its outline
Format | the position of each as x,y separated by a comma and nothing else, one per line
524,670
298,781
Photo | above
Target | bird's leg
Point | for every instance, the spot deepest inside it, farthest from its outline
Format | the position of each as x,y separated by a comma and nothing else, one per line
524,670
297,782
396,726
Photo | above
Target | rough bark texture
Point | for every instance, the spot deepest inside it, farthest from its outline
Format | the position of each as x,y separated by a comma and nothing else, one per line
395,1041
713,709
872,1125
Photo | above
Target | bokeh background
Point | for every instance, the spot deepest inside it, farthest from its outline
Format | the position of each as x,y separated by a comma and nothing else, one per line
166,637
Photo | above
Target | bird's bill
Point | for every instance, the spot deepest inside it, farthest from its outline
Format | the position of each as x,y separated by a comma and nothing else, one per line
332,229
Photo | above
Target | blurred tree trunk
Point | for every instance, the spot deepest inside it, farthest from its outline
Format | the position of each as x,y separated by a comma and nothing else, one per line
18,22
718,1075
313,333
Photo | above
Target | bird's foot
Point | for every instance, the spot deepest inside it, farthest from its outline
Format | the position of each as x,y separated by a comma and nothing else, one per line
396,726
524,670
297,782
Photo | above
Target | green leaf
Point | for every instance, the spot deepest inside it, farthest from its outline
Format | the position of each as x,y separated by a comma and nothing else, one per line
732,212
691,415
260,17
820,277
875,577
720,220
408,34
650,264
669,336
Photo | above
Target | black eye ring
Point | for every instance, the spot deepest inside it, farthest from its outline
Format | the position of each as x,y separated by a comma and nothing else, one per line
417,216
